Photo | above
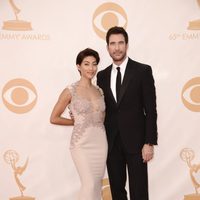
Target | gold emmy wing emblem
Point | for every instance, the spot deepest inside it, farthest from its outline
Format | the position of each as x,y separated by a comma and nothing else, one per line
11,157
188,155
16,25
106,194
195,25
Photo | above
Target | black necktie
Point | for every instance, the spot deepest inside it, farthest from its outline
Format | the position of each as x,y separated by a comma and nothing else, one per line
118,83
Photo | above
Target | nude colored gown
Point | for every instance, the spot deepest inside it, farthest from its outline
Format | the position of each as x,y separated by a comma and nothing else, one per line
88,142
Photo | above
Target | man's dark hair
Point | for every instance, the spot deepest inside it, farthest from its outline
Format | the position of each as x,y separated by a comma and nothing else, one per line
116,30
85,53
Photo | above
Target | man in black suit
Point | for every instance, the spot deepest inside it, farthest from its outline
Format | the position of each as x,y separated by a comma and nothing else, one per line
130,120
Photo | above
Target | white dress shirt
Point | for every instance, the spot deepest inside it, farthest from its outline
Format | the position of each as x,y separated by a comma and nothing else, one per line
114,75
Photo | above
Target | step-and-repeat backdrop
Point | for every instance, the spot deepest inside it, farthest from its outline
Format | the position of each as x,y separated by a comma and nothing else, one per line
39,41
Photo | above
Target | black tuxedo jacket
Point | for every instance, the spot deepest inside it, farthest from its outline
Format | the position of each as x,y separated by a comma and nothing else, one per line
134,116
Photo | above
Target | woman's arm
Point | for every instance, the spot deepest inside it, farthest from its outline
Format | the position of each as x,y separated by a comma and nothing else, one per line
63,101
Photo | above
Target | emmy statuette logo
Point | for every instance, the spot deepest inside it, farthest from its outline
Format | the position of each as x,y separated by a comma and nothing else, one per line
11,157
195,24
187,155
106,194
16,24
189,35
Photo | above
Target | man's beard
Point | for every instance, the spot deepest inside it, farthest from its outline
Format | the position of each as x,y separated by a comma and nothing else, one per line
117,59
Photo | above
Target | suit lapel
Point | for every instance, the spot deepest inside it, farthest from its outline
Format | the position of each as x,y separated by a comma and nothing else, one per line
126,80
108,83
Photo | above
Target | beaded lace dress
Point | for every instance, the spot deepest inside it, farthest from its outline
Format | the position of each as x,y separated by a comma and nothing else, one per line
88,144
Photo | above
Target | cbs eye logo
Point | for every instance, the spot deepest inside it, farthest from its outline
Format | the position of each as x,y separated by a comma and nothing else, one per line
106,16
191,94
19,96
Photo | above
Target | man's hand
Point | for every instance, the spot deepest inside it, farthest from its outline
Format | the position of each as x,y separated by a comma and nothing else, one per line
147,152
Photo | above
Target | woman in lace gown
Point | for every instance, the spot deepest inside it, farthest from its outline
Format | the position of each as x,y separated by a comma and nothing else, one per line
88,142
